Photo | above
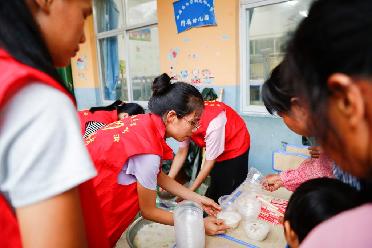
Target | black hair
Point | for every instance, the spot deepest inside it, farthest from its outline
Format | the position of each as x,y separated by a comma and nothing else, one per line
317,200
110,107
276,94
121,107
21,38
335,37
130,108
181,97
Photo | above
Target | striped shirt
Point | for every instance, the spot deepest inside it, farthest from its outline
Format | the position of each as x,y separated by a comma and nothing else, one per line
92,127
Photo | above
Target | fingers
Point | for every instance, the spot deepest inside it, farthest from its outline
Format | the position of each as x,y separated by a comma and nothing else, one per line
315,151
218,221
211,211
281,219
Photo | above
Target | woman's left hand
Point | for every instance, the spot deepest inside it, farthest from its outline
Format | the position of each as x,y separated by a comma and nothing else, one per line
208,205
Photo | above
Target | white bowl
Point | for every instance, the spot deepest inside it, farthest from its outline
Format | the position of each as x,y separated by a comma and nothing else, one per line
231,218
257,230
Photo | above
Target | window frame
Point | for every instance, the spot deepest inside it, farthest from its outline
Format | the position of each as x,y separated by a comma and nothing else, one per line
124,30
245,107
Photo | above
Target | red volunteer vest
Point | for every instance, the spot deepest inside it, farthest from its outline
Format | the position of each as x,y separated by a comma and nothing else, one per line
13,77
237,139
110,147
105,117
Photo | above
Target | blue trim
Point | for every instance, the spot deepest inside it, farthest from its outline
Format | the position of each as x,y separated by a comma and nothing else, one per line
228,237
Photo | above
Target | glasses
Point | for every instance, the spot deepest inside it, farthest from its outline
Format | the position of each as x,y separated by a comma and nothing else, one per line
195,124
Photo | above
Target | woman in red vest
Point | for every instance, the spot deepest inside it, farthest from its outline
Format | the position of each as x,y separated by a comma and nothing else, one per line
128,155
226,138
96,117
43,158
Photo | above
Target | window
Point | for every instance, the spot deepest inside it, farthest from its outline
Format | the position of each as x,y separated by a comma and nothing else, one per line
128,48
265,27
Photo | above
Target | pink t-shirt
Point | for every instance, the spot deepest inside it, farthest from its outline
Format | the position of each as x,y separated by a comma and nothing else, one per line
349,229
309,169
214,138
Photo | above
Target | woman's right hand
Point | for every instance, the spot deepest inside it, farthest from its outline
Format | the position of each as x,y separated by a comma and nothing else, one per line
208,205
272,182
214,226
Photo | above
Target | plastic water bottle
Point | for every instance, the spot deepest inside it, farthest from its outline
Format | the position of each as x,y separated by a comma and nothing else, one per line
189,225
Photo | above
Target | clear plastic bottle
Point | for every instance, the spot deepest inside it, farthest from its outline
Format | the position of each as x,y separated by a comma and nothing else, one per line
189,225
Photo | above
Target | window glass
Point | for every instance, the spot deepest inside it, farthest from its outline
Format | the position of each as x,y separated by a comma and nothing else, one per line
108,15
113,68
269,28
141,11
144,61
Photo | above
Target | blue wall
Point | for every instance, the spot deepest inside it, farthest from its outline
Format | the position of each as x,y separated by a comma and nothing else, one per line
267,133
87,97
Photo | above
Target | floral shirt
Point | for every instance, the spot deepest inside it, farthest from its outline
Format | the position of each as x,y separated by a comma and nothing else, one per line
309,169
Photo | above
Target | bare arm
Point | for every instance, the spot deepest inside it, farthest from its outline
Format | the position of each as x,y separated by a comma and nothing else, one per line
147,203
55,222
204,172
177,189
178,161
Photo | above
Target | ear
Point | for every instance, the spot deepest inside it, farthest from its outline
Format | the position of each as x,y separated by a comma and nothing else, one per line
123,115
44,5
296,104
290,235
347,97
170,117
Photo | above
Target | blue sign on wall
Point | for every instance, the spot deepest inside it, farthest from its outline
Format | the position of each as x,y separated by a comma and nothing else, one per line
193,13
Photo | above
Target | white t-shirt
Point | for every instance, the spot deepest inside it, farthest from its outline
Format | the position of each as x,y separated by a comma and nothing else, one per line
214,137
42,153
142,168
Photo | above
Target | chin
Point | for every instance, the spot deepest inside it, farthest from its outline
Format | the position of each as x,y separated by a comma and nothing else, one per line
181,139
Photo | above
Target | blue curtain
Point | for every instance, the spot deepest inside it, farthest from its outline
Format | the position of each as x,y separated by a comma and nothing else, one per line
110,51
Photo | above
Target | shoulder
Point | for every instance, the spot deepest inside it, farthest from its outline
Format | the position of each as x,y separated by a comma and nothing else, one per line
336,231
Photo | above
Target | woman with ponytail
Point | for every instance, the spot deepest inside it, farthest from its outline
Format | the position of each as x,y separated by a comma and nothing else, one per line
128,155
43,158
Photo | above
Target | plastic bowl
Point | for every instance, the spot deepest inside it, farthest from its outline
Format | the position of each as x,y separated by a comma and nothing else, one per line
231,218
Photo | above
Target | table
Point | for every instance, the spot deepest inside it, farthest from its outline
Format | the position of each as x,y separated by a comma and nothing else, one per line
275,238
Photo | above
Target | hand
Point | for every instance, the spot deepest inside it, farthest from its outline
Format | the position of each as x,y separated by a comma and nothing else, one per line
272,182
214,226
208,205
315,151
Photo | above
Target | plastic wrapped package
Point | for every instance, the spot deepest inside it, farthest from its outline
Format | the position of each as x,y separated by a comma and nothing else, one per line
252,184
248,206
227,205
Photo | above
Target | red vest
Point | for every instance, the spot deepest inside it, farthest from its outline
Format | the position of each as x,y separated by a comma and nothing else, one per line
105,117
237,140
13,77
110,147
